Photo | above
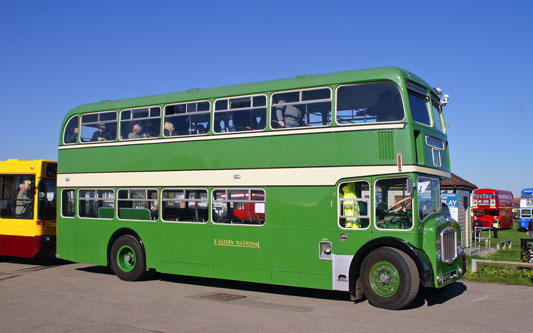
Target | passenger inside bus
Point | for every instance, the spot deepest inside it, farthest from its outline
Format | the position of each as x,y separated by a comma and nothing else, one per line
102,134
289,115
221,123
169,129
72,135
24,205
137,132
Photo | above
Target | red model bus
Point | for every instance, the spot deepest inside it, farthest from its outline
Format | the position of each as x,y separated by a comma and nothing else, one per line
489,204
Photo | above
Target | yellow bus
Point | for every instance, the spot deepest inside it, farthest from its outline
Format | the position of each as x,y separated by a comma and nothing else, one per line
28,208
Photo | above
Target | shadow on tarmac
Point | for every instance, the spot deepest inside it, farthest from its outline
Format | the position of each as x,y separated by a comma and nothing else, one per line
426,296
96,269
35,261
255,287
230,284
431,297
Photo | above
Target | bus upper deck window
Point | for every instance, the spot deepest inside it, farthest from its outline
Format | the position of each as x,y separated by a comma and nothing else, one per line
101,126
302,108
369,103
437,113
70,134
140,123
239,114
419,103
190,118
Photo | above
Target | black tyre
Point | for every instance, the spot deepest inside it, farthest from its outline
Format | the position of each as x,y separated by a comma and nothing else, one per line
390,278
127,259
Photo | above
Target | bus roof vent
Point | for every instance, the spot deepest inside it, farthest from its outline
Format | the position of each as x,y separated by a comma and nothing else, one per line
303,76
192,90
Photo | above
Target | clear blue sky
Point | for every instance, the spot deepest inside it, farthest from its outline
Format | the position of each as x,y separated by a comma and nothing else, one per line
55,55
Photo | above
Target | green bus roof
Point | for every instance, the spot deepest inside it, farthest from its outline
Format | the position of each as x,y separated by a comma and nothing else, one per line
394,74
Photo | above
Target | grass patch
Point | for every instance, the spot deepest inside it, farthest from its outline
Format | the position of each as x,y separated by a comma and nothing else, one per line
502,274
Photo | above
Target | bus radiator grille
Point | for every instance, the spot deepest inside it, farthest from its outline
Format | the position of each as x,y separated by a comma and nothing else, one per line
449,245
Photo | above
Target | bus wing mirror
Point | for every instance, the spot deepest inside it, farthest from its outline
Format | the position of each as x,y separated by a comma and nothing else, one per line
444,100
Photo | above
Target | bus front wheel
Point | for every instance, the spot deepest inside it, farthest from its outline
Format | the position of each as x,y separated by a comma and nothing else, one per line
127,259
390,278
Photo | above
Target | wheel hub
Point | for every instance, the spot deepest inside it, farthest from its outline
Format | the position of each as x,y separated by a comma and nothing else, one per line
126,258
384,279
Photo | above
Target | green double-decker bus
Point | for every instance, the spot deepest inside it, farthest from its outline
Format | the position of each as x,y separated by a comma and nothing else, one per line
320,181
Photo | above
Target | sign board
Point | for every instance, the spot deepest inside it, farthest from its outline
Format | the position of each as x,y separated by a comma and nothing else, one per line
450,205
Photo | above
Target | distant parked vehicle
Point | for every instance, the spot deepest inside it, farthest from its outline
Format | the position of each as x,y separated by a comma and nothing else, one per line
28,208
490,204
526,206
516,216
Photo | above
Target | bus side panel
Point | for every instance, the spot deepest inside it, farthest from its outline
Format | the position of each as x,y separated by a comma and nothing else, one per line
66,237
170,156
27,246
91,237
240,252
25,238
297,150
300,218
363,148
184,248
506,221
355,148
237,153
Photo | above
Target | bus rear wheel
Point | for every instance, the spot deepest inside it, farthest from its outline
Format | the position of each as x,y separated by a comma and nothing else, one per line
127,259
390,278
